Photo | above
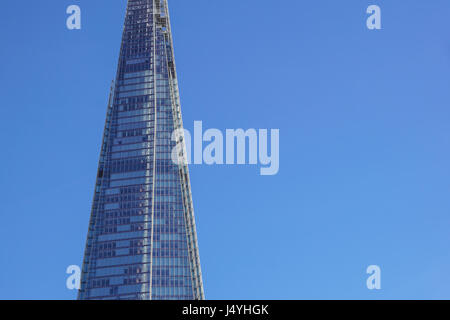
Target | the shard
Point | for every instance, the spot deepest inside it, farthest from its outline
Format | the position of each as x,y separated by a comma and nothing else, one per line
142,241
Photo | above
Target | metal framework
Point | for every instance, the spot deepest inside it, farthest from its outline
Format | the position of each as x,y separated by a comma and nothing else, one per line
142,241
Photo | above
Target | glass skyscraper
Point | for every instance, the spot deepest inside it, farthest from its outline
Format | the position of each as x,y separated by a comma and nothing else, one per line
142,241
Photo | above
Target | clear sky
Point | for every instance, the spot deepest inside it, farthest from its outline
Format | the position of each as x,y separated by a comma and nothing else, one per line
364,125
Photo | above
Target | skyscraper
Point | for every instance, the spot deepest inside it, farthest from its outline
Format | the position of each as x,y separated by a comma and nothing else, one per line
142,241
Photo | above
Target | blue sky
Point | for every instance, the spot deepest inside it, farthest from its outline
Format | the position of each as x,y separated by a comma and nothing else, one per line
364,143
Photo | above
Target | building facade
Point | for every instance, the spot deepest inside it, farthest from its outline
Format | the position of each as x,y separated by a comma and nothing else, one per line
142,241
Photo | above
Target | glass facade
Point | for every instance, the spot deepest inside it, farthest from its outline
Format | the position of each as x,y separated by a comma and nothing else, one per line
142,241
